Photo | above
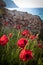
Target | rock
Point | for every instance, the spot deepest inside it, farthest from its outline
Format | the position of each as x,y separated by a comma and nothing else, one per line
2,3
28,21
42,24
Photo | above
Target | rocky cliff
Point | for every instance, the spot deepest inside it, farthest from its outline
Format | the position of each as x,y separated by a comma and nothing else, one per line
26,20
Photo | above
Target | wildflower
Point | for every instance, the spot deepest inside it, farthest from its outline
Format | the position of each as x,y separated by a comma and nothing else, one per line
22,42
26,55
6,23
26,33
4,40
32,37
40,45
0,40
18,27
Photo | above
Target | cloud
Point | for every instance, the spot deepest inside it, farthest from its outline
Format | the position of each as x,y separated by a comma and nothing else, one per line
28,3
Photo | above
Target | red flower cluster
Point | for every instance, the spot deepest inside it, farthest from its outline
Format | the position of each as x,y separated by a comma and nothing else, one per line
32,37
3,40
26,33
6,23
26,55
18,27
22,42
40,45
0,40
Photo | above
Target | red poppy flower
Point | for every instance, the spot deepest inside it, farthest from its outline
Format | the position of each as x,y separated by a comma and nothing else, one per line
26,55
22,42
18,27
26,33
4,40
10,35
32,37
40,45
0,40
6,23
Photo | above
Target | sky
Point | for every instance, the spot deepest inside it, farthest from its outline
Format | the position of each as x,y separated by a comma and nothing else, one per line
20,5
24,3
10,4
28,3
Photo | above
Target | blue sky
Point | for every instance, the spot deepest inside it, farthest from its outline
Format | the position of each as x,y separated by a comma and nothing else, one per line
10,4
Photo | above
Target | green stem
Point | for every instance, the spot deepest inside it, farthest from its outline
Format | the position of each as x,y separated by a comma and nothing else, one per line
24,63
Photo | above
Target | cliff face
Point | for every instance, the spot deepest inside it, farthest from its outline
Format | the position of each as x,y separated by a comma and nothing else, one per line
2,3
27,21
42,25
